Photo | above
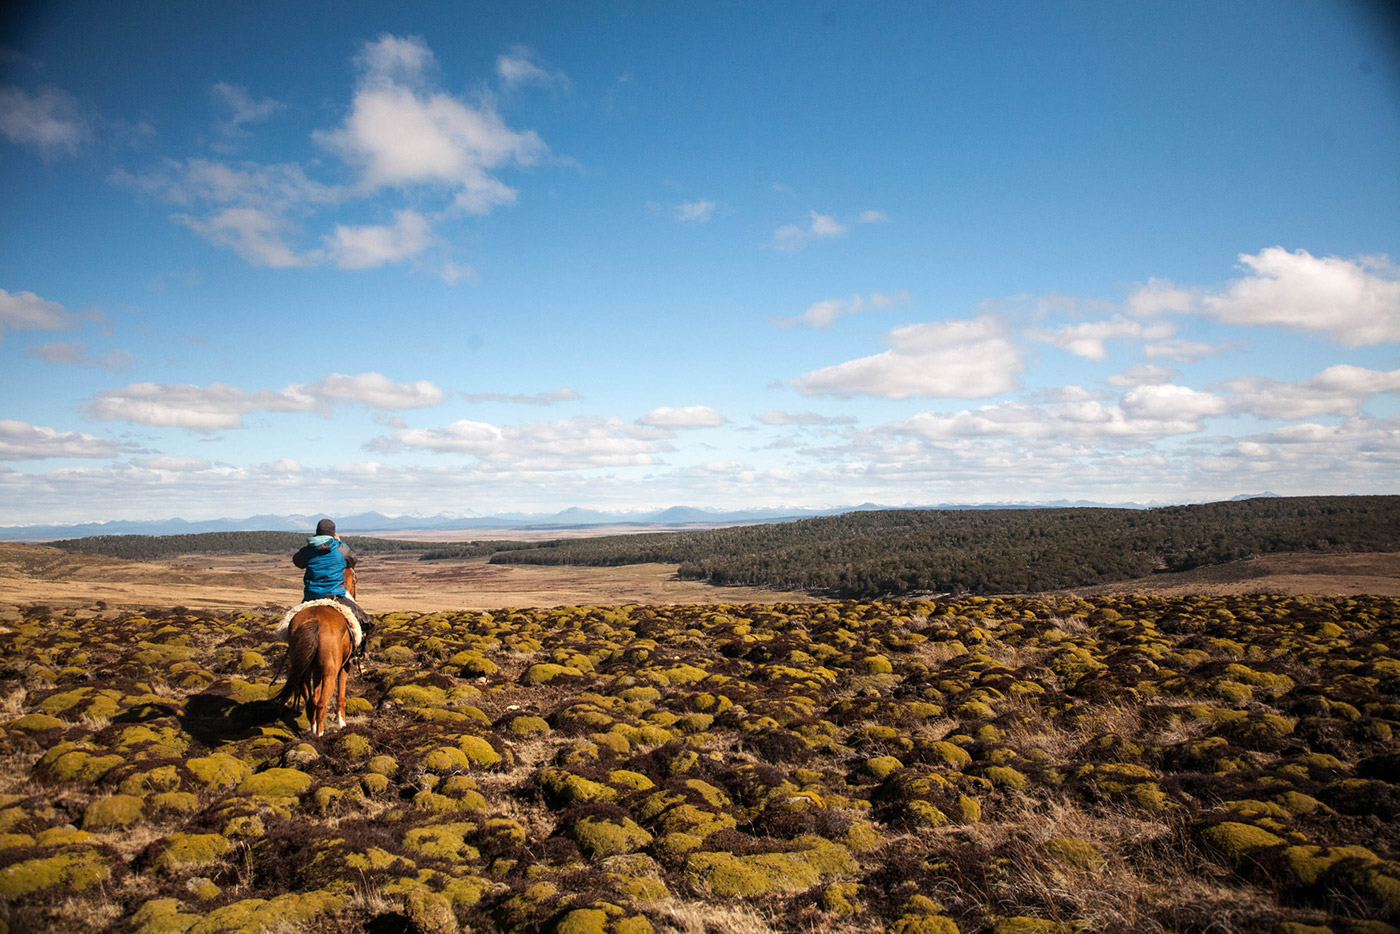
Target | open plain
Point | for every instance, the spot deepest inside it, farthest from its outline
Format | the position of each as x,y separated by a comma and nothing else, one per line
615,752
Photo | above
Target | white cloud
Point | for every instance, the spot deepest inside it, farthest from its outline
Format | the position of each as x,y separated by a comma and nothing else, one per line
1337,390
820,226
374,390
558,445
805,419
252,233
272,188
551,397
20,441
1357,302
872,217
1144,375
1144,414
1088,339
249,208
691,416
173,464
696,212
1171,404
1159,296
74,353
1358,454
403,131
826,226
947,359
368,247
219,406
25,311
49,121
825,313
1183,351
519,67
240,108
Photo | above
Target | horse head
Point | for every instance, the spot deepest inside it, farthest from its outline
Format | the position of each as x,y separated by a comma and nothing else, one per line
350,580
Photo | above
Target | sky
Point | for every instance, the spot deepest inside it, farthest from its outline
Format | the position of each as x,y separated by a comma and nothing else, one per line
481,258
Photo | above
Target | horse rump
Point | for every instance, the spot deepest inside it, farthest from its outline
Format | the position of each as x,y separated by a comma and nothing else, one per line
303,646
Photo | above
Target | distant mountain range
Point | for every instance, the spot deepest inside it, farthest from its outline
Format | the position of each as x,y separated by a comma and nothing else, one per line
575,517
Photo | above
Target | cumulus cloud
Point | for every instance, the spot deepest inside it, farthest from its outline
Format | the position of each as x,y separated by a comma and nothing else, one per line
946,359
695,212
1089,339
792,237
805,419
691,416
1158,297
257,235
371,246
250,208
219,406
825,313
1182,350
21,441
1146,413
240,108
402,130
872,217
1166,403
1144,375
1355,454
25,311
1356,302
74,353
374,390
551,397
50,121
173,464
561,444
1337,390
520,67
194,182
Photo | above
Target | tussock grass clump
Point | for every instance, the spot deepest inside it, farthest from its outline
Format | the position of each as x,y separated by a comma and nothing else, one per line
1186,764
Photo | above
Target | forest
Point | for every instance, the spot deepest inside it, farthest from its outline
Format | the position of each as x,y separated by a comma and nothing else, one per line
901,552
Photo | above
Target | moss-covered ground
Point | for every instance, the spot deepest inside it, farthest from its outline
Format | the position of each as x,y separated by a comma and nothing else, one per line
1184,764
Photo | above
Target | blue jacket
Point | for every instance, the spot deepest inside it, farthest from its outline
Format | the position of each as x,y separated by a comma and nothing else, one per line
325,560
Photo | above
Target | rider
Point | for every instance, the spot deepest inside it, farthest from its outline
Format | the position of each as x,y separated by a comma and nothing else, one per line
325,558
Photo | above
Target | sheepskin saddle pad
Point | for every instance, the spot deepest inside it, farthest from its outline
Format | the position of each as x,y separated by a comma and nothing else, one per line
284,627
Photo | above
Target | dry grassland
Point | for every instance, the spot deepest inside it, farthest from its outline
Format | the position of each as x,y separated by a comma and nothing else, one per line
37,574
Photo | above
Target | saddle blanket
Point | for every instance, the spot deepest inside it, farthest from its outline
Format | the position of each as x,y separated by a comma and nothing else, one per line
284,627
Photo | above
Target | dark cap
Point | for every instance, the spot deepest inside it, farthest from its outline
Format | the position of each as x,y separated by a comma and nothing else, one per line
325,527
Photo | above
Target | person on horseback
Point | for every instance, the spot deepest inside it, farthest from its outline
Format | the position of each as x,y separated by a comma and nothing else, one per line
325,558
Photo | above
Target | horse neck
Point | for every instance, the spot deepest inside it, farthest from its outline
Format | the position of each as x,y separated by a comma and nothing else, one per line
349,578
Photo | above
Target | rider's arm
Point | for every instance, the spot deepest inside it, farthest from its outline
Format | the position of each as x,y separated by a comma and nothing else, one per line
303,555
350,559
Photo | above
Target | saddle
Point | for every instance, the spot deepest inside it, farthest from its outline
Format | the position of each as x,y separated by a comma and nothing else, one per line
284,628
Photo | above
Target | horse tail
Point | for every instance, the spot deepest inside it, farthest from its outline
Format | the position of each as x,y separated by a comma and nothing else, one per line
303,646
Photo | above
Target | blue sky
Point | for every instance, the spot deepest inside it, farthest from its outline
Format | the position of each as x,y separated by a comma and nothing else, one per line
480,258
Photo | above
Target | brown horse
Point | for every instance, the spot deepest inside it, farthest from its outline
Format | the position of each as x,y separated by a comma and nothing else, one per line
318,654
